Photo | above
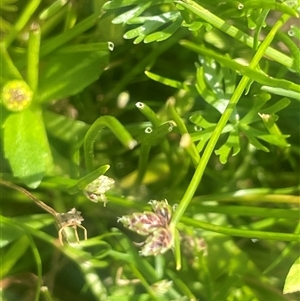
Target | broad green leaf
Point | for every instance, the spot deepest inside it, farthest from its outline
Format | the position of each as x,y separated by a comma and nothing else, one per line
69,71
26,146
64,128
292,281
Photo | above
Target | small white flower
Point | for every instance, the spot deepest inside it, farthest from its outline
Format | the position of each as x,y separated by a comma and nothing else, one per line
95,191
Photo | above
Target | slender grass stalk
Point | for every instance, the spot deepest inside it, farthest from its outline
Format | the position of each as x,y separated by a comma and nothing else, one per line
222,122
33,53
240,232
144,282
21,23
182,284
148,113
284,254
232,31
52,10
31,196
38,262
251,211
190,146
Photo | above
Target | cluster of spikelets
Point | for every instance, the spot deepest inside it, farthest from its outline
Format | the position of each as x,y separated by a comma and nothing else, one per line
154,225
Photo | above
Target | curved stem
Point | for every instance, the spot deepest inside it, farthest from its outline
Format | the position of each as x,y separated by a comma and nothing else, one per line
117,129
31,196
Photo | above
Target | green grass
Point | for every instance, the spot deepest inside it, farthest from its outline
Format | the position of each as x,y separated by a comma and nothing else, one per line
108,106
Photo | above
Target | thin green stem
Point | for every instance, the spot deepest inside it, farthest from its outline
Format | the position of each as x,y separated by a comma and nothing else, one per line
250,195
31,196
190,146
68,35
71,18
144,282
117,129
51,23
20,24
282,92
182,285
284,254
7,66
143,162
46,294
148,113
241,232
33,53
254,74
250,211
38,261
232,31
145,149
222,123
52,10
